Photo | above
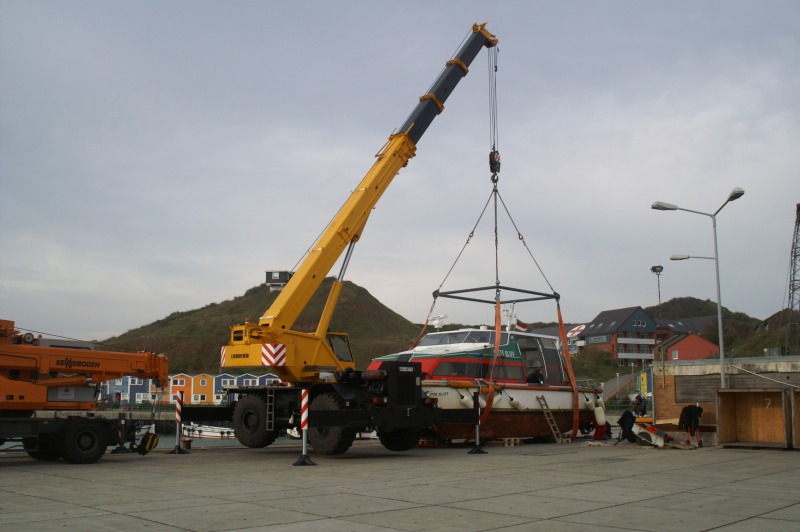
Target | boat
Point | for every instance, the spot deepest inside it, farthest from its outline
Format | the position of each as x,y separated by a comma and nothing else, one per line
521,384
193,430
142,429
516,384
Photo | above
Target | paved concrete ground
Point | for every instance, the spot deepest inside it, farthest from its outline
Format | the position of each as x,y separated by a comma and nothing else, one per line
532,487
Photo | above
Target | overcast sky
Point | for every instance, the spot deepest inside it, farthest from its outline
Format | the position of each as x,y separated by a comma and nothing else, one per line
160,156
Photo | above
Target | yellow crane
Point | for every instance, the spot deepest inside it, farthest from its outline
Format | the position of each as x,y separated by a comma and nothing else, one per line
303,358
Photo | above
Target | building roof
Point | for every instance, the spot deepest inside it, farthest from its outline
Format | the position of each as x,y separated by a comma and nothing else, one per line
609,321
547,331
689,325
674,340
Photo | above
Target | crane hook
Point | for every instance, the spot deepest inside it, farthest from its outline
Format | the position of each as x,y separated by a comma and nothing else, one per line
494,164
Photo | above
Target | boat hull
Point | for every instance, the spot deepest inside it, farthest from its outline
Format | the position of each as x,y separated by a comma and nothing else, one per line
514,410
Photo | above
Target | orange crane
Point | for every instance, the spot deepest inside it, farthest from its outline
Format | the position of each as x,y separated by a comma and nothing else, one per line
35,377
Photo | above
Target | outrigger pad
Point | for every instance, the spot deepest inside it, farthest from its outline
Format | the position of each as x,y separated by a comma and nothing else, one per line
148,443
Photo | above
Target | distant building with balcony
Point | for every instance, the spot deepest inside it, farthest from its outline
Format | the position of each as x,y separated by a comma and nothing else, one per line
627,334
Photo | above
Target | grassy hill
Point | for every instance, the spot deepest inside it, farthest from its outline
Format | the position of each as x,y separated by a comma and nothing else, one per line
192,339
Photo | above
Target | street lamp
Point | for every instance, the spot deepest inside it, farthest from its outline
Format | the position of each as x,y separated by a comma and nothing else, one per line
657,270
735,194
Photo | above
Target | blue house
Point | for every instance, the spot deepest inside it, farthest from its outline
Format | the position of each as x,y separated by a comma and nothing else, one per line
267,378
221,382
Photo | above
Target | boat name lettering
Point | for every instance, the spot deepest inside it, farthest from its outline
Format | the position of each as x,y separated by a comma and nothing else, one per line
68,363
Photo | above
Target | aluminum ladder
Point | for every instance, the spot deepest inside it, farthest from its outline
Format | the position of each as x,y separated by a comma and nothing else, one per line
548,414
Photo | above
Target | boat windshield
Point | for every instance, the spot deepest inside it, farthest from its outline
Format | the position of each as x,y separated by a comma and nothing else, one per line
461,337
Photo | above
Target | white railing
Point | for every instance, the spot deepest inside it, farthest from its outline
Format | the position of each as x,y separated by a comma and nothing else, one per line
636,341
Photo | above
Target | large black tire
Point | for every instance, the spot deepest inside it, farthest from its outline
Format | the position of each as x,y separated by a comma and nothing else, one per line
46,448
330,440
82,441
399,439
250,422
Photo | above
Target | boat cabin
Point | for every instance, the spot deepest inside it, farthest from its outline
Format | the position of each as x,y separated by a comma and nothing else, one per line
468,354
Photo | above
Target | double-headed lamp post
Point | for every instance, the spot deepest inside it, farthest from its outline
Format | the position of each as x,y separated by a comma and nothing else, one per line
735,194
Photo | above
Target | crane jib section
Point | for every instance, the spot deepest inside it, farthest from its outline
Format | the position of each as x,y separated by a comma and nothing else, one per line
418,121
307,355
349,222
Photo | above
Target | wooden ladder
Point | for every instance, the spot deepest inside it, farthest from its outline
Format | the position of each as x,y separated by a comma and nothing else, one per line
548,414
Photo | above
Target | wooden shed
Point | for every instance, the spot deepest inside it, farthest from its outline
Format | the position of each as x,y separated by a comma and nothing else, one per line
796,418
754,417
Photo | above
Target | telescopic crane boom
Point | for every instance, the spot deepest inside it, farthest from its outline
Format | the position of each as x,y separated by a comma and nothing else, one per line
301,357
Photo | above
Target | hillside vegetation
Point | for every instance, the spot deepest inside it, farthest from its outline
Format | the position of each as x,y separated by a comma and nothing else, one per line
192,339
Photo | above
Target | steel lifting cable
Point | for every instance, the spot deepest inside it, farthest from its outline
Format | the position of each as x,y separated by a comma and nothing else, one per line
458,257
494,154
522,239
494,167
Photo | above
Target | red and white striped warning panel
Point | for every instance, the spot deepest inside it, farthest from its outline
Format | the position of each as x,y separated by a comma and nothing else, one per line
222,356
304,410
273,354
178,406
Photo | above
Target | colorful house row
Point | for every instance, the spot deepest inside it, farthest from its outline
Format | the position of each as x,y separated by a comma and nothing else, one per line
199,389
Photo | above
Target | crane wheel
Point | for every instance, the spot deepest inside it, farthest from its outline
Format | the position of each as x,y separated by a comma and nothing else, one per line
45,449
330,440
83,441
399,439
250,422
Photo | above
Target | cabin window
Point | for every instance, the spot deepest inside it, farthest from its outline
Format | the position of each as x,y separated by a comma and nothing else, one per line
478,337
461,337
340,347
505,371
503,338
447,368
238,335
473,370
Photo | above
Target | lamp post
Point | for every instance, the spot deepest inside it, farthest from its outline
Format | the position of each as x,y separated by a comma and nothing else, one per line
657,270
735,194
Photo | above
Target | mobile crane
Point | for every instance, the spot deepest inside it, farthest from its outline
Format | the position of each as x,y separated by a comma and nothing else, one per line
34,377
343,400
